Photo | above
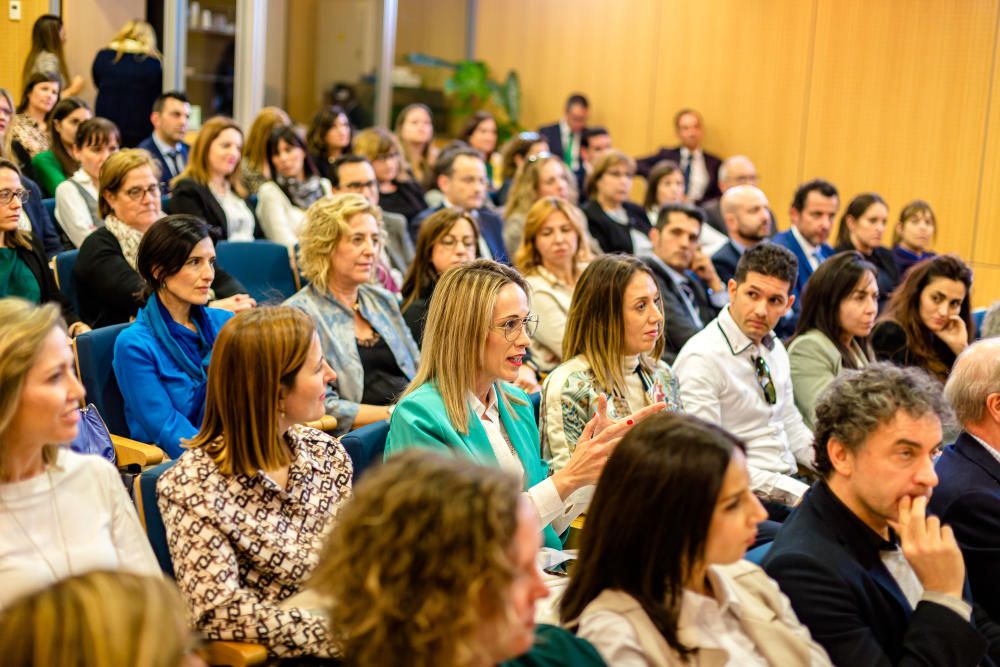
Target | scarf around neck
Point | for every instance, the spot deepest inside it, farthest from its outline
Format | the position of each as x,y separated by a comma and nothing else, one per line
128,238
302,193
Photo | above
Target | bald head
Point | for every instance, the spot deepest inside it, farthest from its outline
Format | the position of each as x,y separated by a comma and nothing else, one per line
973,389
737,170
744,210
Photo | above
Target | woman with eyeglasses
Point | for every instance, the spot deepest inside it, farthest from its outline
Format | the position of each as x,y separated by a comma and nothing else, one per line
446,239
542,175
611,351
108,283
397,191
616,224
462,397
24,269
514,154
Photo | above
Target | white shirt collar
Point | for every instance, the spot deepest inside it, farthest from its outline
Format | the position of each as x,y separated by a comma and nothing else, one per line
164,147
992,450
738,341
489,411
807,248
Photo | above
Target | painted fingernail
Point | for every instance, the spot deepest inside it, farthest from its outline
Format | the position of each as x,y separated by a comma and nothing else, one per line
630,422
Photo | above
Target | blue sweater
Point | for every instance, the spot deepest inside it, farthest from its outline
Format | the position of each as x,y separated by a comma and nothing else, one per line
163,390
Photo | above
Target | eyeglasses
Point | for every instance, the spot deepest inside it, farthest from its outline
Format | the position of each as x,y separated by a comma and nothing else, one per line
139,193
764,380
533,137
357,186
512,328
544,155
6,195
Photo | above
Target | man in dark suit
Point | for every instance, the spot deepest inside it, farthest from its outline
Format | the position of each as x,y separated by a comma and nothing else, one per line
171,112
462,181
564,138
735,170
748,222
968,497
813,211
594,143
700,168
876,580
690,290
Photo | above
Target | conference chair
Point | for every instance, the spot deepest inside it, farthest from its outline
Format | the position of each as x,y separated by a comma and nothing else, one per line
366,445
62,267
265,268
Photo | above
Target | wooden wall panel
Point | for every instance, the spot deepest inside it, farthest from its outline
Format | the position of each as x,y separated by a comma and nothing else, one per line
986,288
302,97
898,103
15,42
986,248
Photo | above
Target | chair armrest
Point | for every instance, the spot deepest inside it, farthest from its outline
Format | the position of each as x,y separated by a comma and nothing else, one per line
132,451
235,654
326,423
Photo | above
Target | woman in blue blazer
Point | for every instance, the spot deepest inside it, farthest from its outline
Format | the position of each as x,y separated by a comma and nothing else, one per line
478,329
161,360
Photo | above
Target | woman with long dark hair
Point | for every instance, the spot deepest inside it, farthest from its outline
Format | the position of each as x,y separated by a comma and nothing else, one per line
862,227
329,136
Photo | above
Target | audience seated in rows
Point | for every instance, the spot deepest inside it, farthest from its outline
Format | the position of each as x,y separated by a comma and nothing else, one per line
55,165
28,134
255,168
24,268
515,154
700,168
397,191
106,272
362,332
170,115
543,175
612,347
480,132
447,238
415,130
462,398
247,507
928,321
100,619
76,197
748,222
210,187
553,253
595,143
293,184
664,593
734,170
839,307
876,580
565,138
665,185
161,360
462,181
691,292
61,513
128,76
328,138
617,224
862,227
414,518
913,234
735,373
968,495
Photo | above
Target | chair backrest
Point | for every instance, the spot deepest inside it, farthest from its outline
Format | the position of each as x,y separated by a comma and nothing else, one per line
149,514
50,207
63,264
756,555
536,404
94,351
265,268
978,315
366,445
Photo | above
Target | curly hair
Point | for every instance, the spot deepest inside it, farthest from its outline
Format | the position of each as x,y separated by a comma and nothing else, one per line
327,223
857,402
417,559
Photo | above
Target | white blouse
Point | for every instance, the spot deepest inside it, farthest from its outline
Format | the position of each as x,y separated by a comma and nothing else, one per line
240,222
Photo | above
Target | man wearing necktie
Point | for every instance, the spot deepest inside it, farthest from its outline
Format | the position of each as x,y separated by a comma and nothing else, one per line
700,168
171,112
564,137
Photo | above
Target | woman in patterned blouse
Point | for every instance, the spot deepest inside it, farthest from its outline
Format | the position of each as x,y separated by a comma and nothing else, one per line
611,347
247,508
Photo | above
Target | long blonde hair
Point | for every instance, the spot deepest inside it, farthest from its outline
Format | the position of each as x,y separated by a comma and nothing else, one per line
458,322
255,148
23,329
527,257
197,166
111,619
135,37
327,224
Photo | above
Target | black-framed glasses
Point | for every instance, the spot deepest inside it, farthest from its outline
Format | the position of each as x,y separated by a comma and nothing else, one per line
7,195
512,328
764,380
138,193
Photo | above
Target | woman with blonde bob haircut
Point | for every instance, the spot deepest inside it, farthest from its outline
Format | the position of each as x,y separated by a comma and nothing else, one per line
247,507
363,334
415,517
612,347
61,513
462,397
99,619
553,254
542,175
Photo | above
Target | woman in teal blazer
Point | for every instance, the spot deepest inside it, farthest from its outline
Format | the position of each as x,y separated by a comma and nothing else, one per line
462,397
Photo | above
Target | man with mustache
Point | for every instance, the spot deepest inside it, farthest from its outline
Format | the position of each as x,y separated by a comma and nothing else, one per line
876,579
735,373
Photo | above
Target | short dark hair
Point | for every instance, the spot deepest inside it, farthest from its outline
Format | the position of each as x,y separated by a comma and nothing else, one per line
347,158
768,259
856,403
825,188
445,165
577,99
161,99
683,112
693,212
165,247
596,131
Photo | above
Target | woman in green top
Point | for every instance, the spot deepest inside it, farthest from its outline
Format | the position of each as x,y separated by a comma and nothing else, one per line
55,165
